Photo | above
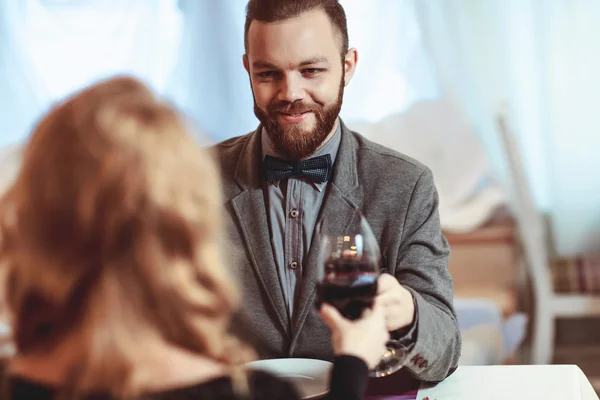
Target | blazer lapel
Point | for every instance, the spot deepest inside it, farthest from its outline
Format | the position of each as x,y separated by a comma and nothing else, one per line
339,211
250,209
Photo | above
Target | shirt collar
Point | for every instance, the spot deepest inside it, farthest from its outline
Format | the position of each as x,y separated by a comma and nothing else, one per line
331,147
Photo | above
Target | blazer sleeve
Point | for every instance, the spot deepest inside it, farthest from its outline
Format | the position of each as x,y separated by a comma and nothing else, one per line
422,268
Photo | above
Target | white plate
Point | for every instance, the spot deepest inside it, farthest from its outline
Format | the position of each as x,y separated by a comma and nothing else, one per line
311,377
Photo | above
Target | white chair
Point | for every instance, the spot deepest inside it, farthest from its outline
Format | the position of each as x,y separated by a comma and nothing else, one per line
532,231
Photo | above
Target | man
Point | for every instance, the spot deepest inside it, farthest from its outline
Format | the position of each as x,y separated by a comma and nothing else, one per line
298,61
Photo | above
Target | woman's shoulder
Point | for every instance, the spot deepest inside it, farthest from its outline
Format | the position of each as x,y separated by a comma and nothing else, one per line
261,386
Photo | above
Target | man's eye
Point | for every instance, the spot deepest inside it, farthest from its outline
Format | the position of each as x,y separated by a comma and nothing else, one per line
311,71
266,74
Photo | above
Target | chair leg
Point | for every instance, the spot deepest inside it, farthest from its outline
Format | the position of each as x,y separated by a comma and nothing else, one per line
543,336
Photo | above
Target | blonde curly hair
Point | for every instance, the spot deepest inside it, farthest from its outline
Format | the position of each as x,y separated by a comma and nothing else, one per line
114,223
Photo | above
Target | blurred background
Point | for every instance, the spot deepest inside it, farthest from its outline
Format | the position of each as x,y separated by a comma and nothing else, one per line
498,97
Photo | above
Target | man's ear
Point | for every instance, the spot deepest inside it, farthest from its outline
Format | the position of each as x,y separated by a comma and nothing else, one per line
350,61
246,63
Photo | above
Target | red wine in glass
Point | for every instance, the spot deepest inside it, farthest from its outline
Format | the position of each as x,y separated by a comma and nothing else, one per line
347,279
350,286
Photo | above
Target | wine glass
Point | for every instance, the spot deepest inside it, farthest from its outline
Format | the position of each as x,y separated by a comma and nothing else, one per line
348,280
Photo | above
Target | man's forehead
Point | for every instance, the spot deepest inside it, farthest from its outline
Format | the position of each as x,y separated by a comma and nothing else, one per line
304,37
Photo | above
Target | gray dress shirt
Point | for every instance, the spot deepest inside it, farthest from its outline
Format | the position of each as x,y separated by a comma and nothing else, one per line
293,207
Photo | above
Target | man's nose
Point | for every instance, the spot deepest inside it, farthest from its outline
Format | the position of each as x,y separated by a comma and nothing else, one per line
291,90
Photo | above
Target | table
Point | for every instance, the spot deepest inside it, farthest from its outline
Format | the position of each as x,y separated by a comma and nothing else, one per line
515,382
399,386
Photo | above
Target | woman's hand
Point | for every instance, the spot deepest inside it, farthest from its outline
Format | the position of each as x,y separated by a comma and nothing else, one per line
364,338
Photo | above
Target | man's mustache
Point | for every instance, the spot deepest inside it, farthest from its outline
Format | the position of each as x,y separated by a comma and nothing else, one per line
292,108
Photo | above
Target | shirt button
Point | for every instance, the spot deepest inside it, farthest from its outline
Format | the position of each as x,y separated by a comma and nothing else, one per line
294,213
293,265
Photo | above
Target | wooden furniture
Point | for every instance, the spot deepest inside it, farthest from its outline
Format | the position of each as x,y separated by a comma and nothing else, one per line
483,263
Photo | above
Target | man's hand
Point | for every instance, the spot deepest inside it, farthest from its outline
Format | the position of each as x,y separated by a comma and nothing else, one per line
397,302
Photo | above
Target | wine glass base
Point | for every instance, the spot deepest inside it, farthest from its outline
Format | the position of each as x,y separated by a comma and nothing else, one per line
389,363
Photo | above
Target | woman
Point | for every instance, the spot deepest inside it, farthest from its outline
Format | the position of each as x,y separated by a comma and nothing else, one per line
111,240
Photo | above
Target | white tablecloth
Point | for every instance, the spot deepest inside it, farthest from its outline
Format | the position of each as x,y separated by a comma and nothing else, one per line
531,382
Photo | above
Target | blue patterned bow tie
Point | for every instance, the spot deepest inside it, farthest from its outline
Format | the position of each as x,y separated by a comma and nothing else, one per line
317,169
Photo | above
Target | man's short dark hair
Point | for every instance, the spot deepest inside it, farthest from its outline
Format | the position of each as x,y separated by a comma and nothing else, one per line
279,10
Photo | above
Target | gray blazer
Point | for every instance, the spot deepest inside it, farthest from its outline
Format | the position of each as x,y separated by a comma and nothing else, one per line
398,197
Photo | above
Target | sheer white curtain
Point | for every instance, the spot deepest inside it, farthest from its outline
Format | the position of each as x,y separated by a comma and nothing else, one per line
394,69
49,48
212,85
541,59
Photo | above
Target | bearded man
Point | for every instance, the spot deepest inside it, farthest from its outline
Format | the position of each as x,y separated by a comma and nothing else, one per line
302,166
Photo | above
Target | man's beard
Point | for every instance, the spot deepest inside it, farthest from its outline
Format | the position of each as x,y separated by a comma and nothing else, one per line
291,141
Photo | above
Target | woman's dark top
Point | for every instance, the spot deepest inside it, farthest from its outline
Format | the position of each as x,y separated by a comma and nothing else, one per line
348,382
